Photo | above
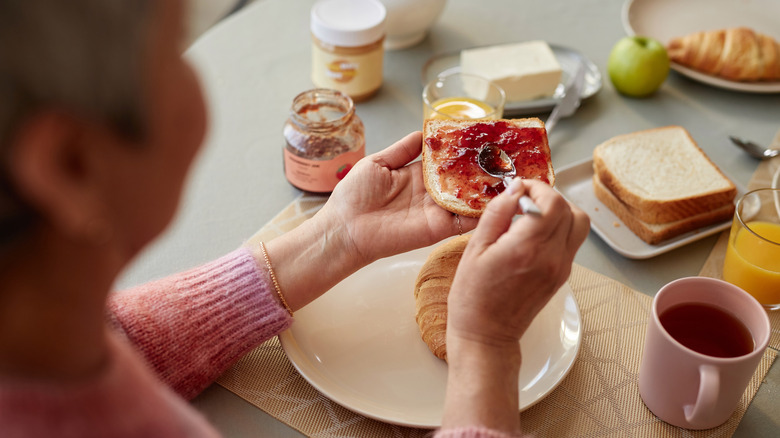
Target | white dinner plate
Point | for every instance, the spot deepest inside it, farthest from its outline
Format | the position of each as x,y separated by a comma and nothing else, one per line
666,19
360,346
575,183
569,59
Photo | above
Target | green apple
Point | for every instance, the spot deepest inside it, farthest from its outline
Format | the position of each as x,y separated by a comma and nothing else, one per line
638,65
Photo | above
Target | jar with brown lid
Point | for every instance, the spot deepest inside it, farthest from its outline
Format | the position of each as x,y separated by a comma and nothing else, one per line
347,46
324,139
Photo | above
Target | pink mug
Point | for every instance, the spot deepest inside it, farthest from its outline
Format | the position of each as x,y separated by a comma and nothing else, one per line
704,341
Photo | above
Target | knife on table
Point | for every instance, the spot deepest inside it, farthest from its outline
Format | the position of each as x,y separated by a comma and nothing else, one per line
570,100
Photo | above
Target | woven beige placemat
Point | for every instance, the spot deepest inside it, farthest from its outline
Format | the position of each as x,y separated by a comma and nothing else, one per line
599,397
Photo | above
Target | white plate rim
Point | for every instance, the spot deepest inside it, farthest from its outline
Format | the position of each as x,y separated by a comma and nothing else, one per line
601,221
571,318
593,79
748,87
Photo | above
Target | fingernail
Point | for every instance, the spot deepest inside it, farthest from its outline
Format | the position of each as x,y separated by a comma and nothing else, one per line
515,186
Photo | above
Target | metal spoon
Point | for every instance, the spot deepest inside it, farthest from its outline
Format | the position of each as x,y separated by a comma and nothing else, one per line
755,150
495,162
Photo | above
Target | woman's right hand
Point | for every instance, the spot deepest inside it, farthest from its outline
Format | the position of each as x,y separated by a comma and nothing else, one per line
507,274
510,270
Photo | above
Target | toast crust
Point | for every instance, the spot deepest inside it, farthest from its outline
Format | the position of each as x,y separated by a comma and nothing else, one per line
659,211
656,233
451,173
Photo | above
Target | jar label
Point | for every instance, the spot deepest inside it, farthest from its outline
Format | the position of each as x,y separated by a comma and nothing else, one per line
319,176
354,75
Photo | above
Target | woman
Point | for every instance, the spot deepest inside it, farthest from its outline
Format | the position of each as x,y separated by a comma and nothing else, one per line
100,119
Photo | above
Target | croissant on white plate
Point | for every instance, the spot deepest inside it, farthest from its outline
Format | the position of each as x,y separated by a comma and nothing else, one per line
431,291
736,54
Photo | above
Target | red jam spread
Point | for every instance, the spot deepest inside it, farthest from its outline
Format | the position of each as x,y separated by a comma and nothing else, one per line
457,151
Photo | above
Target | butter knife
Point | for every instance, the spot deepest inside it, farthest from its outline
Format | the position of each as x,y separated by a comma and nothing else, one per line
570,100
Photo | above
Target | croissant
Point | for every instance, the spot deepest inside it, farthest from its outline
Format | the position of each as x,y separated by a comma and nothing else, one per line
431,290
737,54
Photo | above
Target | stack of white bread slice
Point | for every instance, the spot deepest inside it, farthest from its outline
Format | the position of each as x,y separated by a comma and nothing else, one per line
660,183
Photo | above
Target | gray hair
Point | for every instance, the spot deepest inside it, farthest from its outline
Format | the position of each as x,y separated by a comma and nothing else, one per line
79,56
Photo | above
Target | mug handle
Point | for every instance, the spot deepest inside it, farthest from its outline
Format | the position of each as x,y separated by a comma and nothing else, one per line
709,387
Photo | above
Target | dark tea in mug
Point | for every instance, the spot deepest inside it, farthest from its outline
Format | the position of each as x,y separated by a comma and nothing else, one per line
707,329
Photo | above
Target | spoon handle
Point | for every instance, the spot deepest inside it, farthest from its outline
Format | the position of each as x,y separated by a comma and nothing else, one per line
527,205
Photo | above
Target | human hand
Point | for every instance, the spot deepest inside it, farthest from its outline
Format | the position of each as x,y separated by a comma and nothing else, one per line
506,275
379,209
383,207
510,270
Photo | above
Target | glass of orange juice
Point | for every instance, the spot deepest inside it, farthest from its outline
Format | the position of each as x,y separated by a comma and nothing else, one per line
463,96
753,253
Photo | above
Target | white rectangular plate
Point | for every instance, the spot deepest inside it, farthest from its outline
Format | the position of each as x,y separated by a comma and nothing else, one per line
575,183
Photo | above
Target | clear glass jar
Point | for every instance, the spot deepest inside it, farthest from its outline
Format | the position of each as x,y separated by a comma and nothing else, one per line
324,139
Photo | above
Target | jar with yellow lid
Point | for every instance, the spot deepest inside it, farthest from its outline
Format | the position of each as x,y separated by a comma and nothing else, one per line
347,46
324,138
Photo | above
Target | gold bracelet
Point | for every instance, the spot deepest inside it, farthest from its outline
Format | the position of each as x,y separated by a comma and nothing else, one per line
273,278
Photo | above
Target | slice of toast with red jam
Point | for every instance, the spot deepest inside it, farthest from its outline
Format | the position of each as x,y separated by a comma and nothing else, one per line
452,174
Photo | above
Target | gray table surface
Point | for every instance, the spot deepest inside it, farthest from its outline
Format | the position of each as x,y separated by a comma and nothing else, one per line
253,63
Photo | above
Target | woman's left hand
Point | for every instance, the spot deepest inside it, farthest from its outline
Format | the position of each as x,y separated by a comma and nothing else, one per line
379,209
384,208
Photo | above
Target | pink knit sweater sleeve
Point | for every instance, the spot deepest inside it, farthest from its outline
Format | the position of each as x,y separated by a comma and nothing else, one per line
190,327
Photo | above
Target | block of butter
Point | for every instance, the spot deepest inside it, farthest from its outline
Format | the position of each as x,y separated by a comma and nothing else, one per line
525,71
